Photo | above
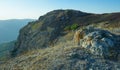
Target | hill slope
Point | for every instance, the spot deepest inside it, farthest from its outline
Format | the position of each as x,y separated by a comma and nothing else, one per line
48,28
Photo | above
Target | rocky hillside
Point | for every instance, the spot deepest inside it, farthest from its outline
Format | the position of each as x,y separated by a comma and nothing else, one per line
48,28
69,56
68,40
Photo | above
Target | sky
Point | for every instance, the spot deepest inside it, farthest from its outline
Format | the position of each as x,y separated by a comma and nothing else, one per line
23,9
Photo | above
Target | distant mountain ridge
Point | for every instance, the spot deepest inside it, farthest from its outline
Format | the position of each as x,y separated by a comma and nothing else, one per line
9,29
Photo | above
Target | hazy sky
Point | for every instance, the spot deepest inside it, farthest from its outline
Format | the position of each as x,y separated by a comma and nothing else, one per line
18,9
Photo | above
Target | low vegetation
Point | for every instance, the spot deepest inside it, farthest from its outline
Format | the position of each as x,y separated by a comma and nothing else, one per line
72,27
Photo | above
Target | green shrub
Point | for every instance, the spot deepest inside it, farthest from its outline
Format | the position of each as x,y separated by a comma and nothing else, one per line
74,26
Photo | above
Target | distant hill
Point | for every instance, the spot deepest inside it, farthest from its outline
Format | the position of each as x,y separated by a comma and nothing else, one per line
5,49
9,29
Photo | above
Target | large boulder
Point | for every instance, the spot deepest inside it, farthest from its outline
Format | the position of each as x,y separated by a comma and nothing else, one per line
99,42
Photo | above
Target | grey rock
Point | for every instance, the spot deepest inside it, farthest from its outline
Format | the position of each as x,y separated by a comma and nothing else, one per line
98,41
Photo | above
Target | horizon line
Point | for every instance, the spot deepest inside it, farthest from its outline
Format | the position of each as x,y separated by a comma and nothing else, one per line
35,18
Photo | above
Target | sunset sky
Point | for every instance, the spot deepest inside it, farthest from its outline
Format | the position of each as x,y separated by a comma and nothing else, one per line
20,9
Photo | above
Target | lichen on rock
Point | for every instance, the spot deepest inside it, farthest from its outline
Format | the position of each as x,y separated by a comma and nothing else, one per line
98,41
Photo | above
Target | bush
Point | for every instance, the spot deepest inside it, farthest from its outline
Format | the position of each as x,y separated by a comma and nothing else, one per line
72,27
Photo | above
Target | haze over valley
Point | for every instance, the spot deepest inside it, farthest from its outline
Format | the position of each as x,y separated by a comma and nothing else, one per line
9,29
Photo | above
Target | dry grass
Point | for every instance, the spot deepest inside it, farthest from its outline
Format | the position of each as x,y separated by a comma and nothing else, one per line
43,59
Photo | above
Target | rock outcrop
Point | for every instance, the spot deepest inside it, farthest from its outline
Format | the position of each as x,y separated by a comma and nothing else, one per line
100,42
